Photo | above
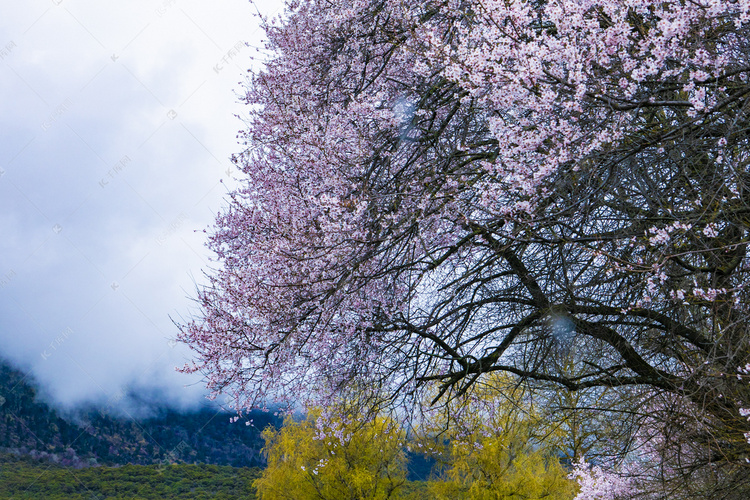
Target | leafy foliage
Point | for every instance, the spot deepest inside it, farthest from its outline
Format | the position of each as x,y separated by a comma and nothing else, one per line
495,450
497,445
336,460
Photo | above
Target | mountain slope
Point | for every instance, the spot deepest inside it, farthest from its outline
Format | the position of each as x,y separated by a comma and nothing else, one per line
30,427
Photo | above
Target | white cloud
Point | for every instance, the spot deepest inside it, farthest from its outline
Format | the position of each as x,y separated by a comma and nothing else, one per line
116,129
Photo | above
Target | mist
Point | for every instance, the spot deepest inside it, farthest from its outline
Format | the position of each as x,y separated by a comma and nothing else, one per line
117,128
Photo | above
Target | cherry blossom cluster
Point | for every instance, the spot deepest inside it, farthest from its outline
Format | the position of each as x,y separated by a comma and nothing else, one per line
597,483
558,79
384,134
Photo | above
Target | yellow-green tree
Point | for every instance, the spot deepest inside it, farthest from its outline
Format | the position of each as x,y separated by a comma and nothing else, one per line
341,459
494,445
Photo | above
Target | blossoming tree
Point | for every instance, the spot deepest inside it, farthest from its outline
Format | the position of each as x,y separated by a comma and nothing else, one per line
436,190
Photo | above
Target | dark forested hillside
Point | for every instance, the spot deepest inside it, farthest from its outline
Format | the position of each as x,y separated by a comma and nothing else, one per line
30,427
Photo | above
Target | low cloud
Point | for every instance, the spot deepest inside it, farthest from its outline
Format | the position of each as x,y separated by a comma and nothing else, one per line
116,137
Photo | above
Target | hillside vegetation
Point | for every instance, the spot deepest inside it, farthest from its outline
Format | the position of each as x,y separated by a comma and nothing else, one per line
29,479
29,426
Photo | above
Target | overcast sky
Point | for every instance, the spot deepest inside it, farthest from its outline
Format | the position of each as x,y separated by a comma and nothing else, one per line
116,128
